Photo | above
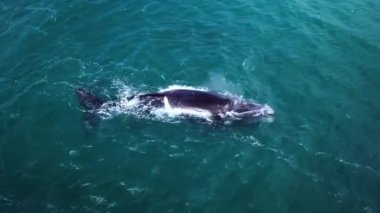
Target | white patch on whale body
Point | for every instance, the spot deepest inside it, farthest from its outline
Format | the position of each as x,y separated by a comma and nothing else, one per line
174,112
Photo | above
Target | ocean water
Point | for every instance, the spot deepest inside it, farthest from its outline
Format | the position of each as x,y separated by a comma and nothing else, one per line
317,63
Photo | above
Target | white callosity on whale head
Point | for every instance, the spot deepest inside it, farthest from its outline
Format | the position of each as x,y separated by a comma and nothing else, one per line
266,110
250,110
267,113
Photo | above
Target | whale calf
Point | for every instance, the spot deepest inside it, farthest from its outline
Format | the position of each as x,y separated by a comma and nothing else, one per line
210,106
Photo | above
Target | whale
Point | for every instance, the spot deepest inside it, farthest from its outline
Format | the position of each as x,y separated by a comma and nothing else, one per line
189,103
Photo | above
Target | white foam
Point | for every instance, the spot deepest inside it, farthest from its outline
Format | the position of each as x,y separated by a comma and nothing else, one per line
174,87
124,106
98,200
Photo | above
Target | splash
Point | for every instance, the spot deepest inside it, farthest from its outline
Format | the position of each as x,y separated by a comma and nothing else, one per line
174,87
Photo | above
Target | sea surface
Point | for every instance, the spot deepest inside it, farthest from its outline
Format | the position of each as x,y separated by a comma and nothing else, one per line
317,63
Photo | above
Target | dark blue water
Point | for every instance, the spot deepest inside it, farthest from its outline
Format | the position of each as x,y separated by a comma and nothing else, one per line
315,62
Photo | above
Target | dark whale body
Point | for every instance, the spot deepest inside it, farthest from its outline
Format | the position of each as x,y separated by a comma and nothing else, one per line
181,98
219,106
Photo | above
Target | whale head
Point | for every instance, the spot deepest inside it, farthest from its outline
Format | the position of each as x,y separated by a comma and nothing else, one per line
250,110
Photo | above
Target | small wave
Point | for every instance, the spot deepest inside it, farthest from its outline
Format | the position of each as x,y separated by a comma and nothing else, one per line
358,166
279,154
176,155
135,190
44,9
8,201
98,200
354,165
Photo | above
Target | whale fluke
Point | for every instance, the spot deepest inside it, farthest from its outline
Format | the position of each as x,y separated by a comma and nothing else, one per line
87,100
90,103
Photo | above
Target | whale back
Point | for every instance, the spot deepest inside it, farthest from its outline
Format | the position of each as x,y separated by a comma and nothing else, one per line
197,99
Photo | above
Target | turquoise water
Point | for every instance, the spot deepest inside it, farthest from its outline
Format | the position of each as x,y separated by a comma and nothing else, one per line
316,63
